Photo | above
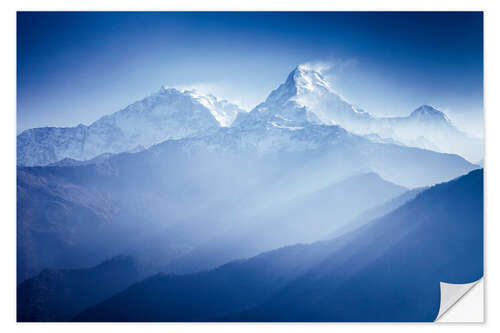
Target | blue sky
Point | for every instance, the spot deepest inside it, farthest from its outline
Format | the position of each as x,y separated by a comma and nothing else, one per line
75,67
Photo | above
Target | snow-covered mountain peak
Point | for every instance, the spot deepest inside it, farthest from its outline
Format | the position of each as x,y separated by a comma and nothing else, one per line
223,111
305,97
301,81
306,79
427,112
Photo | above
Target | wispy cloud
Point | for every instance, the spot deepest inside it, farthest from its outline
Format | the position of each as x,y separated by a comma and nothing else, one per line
329,66
318,66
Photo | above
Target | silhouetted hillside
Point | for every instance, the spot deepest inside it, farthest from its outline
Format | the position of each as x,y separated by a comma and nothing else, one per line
59,294
388,270
231,287
391,269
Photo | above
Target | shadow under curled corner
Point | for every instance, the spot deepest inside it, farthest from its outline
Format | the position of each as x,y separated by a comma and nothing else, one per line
459,295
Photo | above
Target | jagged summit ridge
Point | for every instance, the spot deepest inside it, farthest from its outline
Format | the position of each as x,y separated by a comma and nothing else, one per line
223,111
167,114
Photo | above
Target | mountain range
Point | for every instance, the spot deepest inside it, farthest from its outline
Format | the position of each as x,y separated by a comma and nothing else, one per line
191,190
387,270
167,114
291,211
306,98
272,159
59,294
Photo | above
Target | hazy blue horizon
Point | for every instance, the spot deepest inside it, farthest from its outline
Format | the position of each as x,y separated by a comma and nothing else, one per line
76,67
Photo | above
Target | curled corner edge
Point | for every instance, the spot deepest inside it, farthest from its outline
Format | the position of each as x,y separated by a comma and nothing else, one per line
451,293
